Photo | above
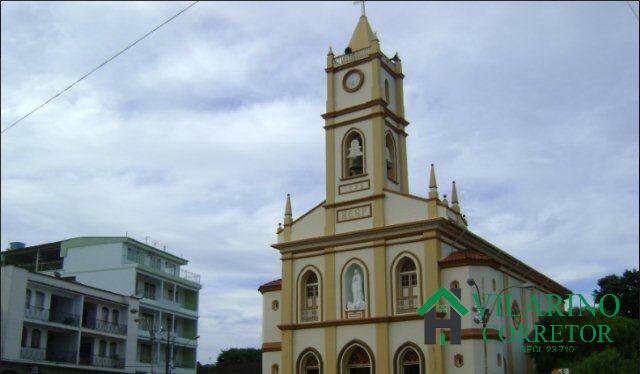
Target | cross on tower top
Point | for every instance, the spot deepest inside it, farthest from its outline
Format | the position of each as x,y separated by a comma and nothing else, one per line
361,6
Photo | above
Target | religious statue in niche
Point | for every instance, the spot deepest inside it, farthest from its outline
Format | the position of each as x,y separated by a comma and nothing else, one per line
355,290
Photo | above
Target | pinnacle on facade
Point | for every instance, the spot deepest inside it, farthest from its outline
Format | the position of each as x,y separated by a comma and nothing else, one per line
444,200
433,186
287,212
455,204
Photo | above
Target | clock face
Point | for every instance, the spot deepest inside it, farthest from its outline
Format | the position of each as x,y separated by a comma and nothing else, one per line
353,80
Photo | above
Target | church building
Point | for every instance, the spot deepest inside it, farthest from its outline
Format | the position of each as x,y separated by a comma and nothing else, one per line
356,267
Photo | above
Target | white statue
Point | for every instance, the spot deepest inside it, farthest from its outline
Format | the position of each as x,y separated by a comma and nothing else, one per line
357,292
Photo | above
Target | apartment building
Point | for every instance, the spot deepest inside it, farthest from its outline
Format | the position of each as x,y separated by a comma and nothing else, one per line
168,293
56,325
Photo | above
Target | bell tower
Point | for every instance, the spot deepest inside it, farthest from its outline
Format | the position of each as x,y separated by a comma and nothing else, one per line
364,123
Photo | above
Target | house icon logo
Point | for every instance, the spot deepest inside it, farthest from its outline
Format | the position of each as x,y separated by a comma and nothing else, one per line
430,309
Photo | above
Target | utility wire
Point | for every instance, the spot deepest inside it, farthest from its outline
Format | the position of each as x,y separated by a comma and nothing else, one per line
99,66
632,9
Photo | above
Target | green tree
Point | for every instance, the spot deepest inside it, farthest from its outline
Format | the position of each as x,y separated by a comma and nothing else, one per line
239,356
609,361
624,334
625,287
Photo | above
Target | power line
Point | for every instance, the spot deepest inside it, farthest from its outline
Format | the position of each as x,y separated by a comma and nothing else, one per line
99,66
632,9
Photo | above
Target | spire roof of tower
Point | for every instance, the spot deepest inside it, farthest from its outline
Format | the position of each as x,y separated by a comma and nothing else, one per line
454,197
287,211
433,186
362,36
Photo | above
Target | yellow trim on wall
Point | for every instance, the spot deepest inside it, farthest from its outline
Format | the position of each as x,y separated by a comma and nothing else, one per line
382,347
287,312
432,254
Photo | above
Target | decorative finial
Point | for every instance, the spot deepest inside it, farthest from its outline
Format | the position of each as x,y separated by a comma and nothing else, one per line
361,7
444,200
330,51
287,211
454,197
433,186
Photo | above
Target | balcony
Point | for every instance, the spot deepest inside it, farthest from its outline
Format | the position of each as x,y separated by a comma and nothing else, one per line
36,313
171,304
309,315
48,315
59,355
33,354
146,294
104,326
50,265
64,318
157,268
354,56
104,362
406,305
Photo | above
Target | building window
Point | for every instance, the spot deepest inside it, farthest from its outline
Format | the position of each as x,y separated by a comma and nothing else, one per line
310,297
499,359
149,290
309,362
274,369
102,348
408,360
25,337
407,292
105,314
146,353
515,314
113,349
353,160
39,299
386,90
493,284
275,305
170,268
454,285
390,157
356,360
115,316
35,338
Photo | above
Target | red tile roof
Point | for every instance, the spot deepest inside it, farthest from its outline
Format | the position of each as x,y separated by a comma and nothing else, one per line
274,285
468,257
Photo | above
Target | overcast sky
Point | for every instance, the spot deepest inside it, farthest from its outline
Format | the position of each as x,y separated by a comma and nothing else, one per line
195,135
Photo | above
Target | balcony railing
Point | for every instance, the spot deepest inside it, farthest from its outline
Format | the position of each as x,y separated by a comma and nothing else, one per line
105,362
347,58
50,265
142,260
407,305
61,356
48,315
64,318
146,294
184,364
36,312
147,359
104,326
190,276
171,304
309,315
34,354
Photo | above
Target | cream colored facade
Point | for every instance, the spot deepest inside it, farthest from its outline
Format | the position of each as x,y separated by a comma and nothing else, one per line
322,317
